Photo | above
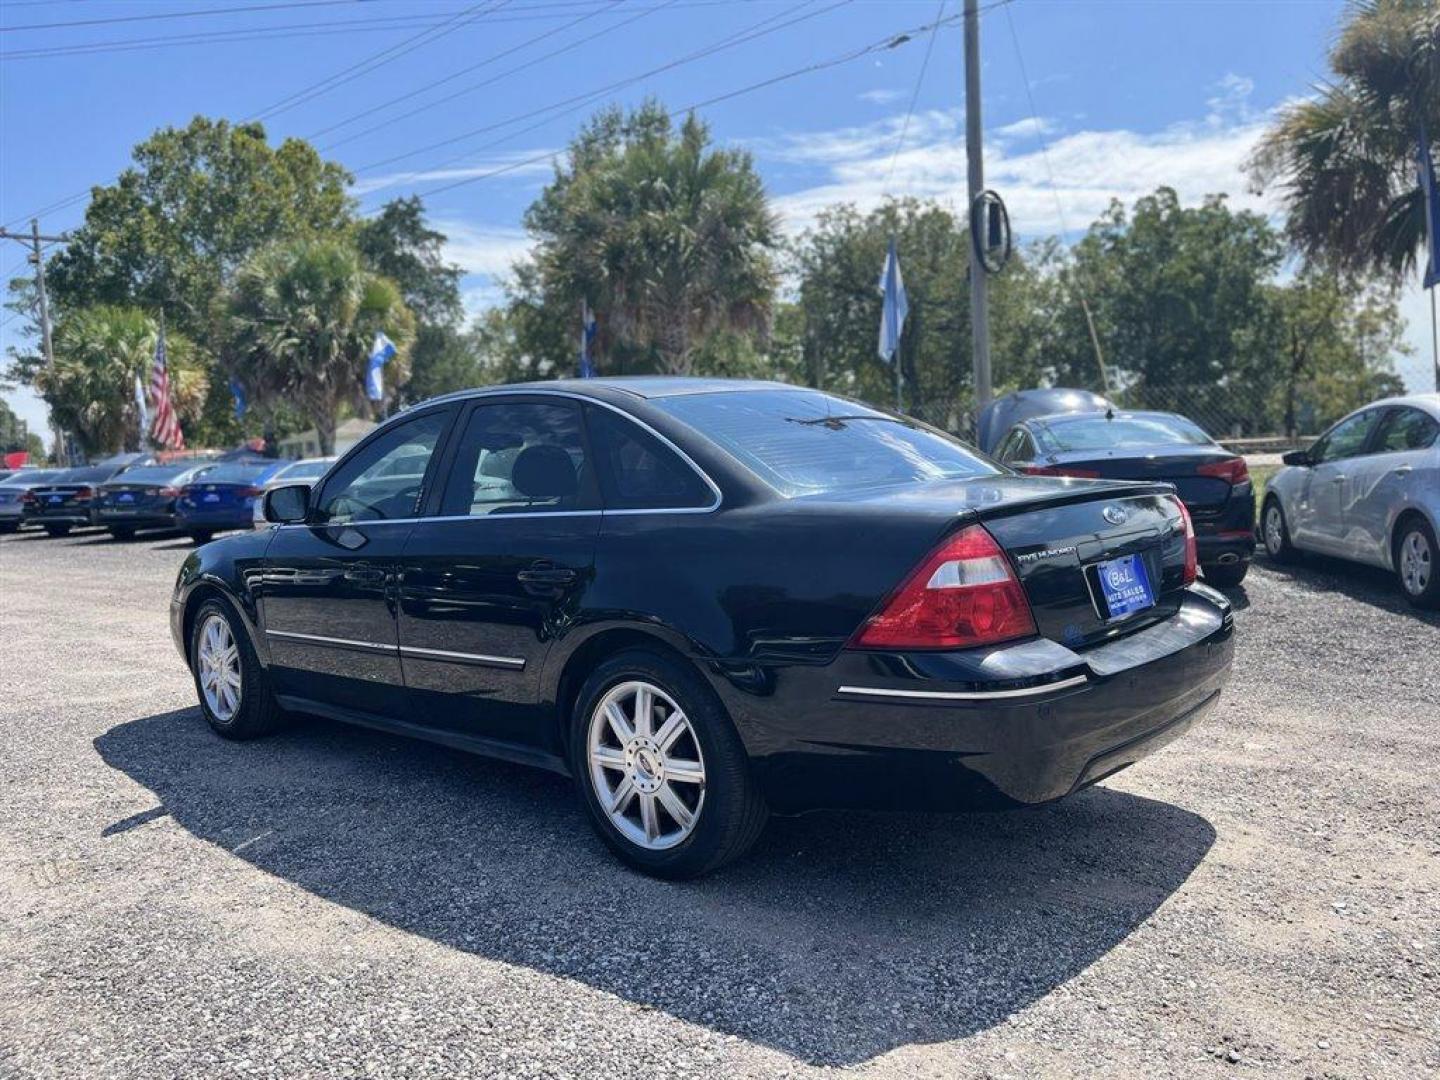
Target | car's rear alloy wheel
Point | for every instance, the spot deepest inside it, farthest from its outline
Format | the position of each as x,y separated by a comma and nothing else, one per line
234,689
1415,563
646,765
661,768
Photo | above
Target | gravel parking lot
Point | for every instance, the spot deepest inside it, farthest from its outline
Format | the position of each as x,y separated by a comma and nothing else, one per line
1263,897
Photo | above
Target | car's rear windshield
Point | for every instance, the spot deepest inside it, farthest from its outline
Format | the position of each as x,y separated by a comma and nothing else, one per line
803,442
92,475
152,474
1123,432
31,476
234,474
304,470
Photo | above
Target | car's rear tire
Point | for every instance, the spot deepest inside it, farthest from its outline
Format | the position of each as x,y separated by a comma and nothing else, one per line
58,530
1275,532
122,532
234,689
1417,562
1226,575
200,536
674,798
9,527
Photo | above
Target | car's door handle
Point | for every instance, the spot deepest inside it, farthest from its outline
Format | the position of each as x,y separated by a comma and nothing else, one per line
365,577
546,574
1337,479
1403,470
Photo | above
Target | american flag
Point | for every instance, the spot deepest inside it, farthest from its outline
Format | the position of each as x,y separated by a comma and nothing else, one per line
165,425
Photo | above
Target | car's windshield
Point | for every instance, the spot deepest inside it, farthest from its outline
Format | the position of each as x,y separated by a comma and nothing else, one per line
802,442
235,474
1098,433
153,474
303,470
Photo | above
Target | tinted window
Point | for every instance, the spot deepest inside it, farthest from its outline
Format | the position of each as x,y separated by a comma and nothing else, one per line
802,441
231,474
385,478
92,475
639,472
153,474
519,457
1347,438
303,470
1407,429
1098,433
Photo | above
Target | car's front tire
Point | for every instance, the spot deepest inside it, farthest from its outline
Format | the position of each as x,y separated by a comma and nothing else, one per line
57,530
200,536
1417,562
1226,575
661,770
122,533
1275,532
234,689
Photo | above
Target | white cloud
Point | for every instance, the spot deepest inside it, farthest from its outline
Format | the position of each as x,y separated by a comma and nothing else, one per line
524,164
1028,128
881,96
482,249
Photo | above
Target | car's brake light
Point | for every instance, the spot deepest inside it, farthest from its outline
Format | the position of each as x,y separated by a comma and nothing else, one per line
29,497
963,594
1190,554
168,492
1060,470
83,494
251,492
1232,470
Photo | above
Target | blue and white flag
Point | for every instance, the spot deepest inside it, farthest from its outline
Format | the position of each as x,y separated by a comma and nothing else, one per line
587,339
380,353
1430,192
238,393
142,410
892,316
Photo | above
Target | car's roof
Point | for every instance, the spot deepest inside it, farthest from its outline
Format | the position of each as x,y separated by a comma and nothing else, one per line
1115,414
641,386
1424,401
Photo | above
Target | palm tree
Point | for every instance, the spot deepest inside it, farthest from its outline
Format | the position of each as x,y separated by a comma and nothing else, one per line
1345,160
303,316
99,351
669,240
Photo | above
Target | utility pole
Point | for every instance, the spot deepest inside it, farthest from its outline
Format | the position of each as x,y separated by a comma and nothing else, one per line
979,308
34,241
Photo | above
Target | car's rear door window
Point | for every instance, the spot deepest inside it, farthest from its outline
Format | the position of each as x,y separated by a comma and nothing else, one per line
639,472
1406,429
519,457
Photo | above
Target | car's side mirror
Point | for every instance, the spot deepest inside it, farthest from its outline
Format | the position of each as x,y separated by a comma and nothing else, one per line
287,505
1297,457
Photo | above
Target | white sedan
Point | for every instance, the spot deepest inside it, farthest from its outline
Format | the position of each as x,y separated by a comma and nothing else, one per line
1368,490
304,471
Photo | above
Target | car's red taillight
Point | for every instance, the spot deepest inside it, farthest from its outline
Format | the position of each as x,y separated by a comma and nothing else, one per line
1190,555
251,492
83,494
168,492
1233,471
29,497
1060,470
963,594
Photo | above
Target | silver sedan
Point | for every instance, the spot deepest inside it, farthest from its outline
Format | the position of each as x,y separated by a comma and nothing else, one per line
1368,490
304,471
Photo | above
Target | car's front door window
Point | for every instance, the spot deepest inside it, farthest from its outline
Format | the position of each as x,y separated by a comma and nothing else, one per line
384,481
1348,438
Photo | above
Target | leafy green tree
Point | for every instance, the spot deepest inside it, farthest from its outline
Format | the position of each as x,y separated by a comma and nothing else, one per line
15,435
302,318
99,351
1344,159
669,240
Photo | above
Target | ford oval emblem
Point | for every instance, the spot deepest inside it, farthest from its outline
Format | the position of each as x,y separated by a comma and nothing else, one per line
1115,515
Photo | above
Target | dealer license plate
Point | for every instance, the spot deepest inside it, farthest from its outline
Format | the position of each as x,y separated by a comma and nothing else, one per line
1125,586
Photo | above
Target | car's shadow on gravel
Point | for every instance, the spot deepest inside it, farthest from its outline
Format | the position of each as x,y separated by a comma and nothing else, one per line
1357,581
842,936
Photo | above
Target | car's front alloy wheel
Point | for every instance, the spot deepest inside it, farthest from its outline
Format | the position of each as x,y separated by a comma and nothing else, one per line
233,687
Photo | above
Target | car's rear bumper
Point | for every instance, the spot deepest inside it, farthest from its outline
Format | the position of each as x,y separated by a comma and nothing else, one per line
130,519
215,522
1229,536
1014,725
61,517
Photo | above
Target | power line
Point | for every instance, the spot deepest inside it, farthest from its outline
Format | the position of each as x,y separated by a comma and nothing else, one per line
377,60
891,41
244,9
751,33
915,96
475,67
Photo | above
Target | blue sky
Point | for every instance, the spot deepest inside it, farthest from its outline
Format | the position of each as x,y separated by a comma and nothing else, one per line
1128,95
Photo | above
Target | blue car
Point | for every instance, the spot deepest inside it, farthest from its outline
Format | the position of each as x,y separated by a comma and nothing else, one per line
222,498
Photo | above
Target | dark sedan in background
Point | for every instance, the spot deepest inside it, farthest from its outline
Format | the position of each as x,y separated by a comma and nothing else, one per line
67,500
144,497
706,600
1114,445
222,498
12,494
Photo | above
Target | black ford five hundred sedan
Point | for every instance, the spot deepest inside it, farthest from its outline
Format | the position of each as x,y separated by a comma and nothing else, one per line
709,600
